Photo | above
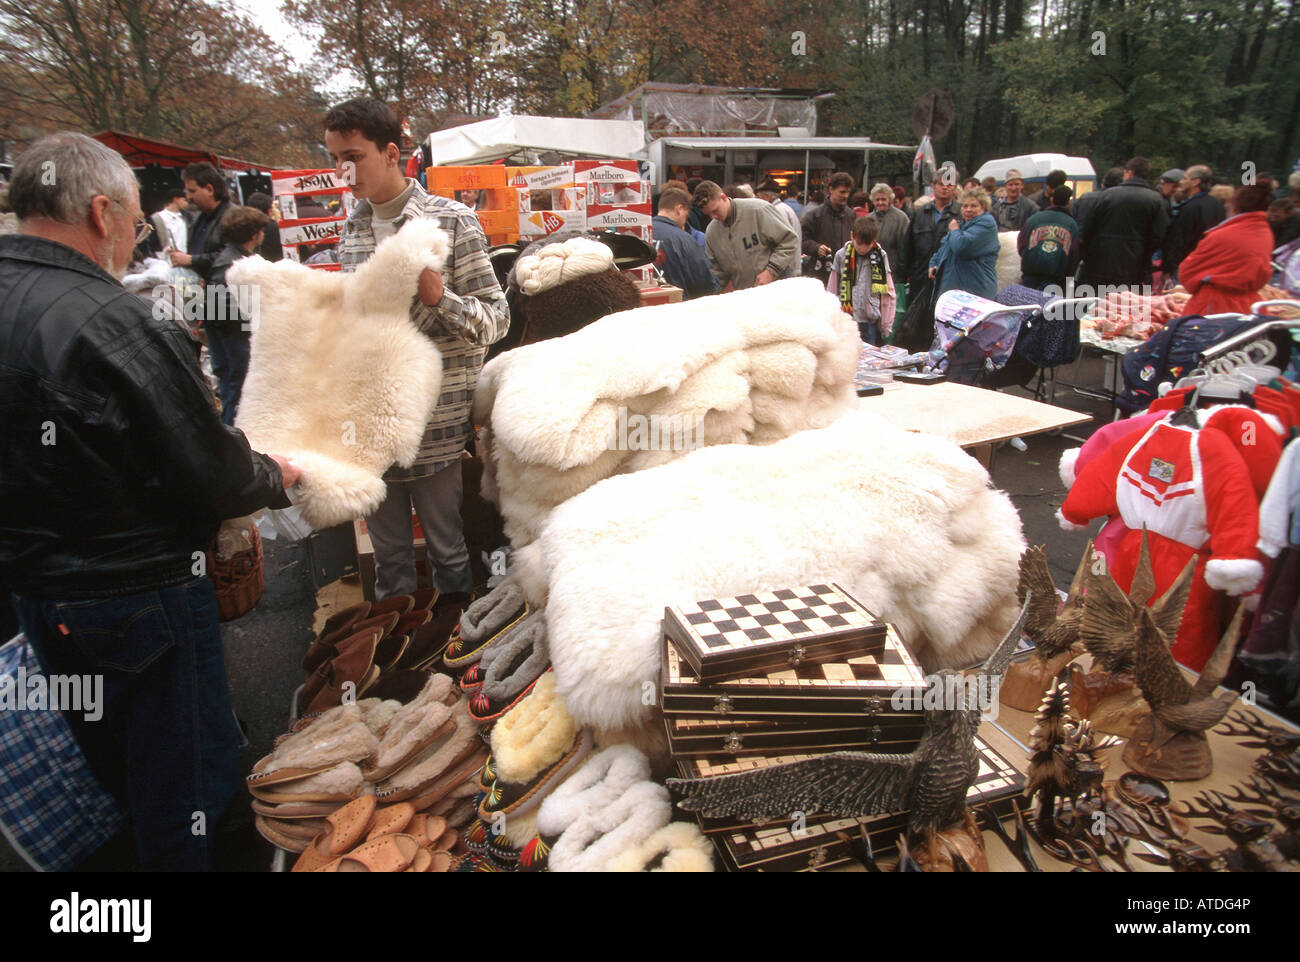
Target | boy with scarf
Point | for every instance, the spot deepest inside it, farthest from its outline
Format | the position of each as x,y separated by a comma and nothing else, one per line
862,279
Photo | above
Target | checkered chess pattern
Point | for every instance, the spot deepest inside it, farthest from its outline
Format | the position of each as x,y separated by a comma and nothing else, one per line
996,779
788,614
873,673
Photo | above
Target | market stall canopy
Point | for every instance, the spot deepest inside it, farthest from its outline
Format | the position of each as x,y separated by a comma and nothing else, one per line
781,143
505,137
142,151
1035,167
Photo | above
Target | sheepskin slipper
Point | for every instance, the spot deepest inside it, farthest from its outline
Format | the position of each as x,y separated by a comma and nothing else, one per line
374,375
375,713
424,722
750,366
484,622
591,844
297,811
274,832
519,798
429,641
500,839
332,739
427,771
517,663
602,780
677,847
342,783
463,773
908,523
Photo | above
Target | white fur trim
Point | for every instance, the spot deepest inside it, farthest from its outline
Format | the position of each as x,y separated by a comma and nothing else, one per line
377,714
906,522
533,735
603,778
682,844
339,379
344,779
1236,576
1066,467
556,264
1274,424
646,386
334,737
1068,525
590,844
438,757
415,723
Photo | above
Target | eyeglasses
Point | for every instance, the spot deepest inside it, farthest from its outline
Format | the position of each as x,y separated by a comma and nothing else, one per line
141,224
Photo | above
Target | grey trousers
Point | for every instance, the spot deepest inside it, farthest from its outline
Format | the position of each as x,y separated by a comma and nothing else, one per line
437,504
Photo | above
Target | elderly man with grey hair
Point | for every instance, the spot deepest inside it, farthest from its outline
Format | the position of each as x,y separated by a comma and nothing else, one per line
116,475
893,225
1198,212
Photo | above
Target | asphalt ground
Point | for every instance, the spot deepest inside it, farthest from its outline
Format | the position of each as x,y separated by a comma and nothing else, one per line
263,648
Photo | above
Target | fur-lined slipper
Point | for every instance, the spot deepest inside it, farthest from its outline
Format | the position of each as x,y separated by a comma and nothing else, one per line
464,771
480,837
483,621
462,814
388,853
601,781
425,773
303,829
294,811
677,847
459,795
424,722
342,783
390,820
343,830
333,739
472,680
375,713
534,855
534,747
272,831
590,844
516,663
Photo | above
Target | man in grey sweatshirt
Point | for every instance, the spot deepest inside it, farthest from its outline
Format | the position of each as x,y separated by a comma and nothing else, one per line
748,243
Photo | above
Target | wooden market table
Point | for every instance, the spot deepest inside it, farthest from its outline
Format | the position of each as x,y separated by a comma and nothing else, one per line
974,417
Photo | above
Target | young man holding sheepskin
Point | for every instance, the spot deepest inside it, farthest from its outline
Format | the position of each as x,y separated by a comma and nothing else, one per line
462,308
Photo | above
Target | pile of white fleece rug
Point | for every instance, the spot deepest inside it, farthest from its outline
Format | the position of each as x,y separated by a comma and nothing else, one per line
780,481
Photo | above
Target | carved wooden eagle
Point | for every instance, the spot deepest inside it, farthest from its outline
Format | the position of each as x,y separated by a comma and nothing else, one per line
930,783
1179,705
1053,627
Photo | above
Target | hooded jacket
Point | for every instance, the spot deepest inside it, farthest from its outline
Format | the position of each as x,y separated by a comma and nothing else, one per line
1229,266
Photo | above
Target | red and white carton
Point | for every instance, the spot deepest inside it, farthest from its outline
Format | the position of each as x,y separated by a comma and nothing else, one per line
603,217
542,222
316,231
323,180
606,171
540,178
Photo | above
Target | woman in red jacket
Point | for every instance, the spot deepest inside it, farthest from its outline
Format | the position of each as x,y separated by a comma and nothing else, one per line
1233,260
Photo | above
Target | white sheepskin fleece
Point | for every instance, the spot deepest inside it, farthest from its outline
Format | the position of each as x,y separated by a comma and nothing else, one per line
1008,266
908,523
753,366
339,379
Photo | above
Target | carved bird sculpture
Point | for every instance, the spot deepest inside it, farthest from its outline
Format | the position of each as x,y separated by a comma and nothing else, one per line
1051,625
930,783
1109,625
1180,706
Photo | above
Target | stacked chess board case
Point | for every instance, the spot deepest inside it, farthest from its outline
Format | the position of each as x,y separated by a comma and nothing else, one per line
773,677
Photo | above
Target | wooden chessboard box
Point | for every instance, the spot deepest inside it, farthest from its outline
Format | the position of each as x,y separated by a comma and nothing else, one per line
882,687
690,737
813,843
766,630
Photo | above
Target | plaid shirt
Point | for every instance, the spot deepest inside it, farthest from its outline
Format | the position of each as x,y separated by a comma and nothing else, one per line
471,315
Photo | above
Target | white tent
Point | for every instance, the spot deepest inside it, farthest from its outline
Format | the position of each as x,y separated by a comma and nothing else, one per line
1035,167
544,138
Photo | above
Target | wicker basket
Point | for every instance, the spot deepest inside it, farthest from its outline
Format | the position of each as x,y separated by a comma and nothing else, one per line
239,580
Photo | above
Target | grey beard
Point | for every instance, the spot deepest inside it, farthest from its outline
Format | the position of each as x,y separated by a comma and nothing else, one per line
106,261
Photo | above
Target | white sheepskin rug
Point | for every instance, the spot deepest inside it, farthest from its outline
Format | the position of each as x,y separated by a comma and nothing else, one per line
340,380
644,387
1008,266
907,522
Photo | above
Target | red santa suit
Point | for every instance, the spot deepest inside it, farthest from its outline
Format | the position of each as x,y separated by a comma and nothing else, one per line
1192,491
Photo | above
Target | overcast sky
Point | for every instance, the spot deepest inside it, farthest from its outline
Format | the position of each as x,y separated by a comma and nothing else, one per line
298,42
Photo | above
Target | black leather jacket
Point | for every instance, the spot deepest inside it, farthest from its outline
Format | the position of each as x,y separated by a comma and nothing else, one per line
1120,231
114,466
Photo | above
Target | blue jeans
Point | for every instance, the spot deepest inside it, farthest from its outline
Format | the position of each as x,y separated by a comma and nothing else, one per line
230,365
167,744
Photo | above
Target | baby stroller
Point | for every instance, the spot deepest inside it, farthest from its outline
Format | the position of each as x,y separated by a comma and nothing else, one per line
998,343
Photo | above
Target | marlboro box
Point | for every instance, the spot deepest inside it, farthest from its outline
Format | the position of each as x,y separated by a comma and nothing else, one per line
606,171
602,216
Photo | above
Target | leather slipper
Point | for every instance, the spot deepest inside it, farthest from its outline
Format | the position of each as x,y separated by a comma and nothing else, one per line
342,783
390,820
388,853
326,647
295,811
344,829
396,604
272,832
432,766
483,621
402,685
428,830
429,641
353,670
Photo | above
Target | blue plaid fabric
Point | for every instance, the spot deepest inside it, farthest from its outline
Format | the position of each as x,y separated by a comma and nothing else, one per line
52,809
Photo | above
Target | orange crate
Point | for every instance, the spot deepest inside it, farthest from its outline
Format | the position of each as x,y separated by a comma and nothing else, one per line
441,179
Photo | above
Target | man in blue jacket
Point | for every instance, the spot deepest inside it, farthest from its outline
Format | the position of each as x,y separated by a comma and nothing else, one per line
681,259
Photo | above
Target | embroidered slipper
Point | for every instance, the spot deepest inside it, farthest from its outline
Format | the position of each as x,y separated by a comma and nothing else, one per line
432,768
426,721
270,830
533,856
472,680
342,783
390,820
517,662
592,842
677,847
534,747
328,647
599,783
343,830
429,641
483,621
388,853
481,839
